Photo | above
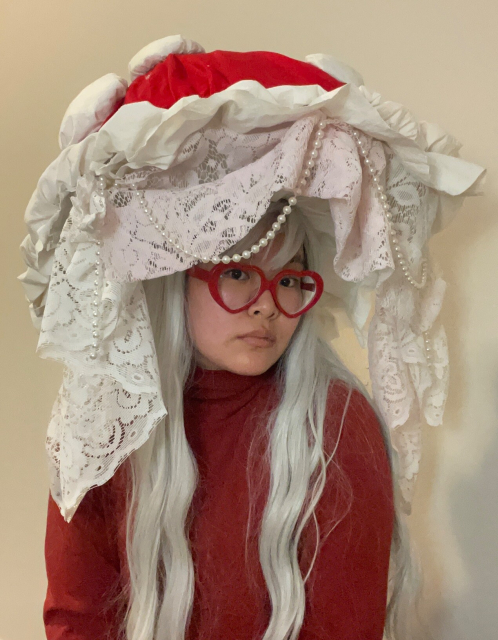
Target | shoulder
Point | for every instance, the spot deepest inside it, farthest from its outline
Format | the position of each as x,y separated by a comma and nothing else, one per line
353,430
350,403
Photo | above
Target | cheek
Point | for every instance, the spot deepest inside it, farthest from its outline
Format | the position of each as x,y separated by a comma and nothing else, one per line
209,323
286,330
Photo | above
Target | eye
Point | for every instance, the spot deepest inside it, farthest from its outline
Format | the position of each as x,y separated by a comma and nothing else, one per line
234,274
289,282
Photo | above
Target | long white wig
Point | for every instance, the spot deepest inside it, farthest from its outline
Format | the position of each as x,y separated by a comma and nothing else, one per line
164,473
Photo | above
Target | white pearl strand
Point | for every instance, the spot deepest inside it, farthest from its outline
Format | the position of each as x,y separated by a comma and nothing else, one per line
95,304
263,242
302,182
400,258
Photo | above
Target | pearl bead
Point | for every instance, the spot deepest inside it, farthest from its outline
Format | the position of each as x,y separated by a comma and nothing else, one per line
246,254
163,233
93,356
215,260
225,259
292,201
205,259
151,218
95,323
281,218
286,210
322,124
255,248
236,257
94,345
96,272
303,182
95,334
317,144
299,191
156,226
270,235
263,242
307,173
276,226
97,261
319,134
310,164
95,314
314,154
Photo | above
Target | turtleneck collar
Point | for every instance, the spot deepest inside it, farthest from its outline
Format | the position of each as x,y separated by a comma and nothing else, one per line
220,384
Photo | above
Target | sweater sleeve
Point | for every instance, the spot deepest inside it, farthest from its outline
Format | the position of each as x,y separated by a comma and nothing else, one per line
83,571
347,589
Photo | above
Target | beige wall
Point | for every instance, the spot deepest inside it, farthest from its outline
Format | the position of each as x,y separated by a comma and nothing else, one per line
438,57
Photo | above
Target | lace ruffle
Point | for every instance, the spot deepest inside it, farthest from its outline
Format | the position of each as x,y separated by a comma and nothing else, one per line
211,166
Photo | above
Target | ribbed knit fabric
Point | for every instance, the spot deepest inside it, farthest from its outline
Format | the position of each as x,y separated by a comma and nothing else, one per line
347,590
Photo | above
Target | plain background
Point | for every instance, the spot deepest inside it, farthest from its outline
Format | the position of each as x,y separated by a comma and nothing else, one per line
437,57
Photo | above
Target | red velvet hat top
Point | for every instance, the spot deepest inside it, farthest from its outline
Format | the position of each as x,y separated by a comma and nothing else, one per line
204,74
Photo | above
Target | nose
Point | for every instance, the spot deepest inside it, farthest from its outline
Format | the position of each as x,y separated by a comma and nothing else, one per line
264,305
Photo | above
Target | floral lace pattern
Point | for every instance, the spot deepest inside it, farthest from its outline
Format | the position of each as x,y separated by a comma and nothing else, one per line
106,408
219,186
406,387
209,169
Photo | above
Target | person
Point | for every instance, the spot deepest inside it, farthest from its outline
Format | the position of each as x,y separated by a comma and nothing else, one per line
217,471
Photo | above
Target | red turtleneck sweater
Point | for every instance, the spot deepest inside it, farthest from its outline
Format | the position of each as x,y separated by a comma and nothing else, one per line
347,589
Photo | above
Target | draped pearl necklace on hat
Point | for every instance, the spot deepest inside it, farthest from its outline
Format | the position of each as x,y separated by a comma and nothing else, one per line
281,219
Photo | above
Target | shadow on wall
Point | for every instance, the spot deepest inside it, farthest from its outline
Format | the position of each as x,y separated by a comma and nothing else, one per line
455,515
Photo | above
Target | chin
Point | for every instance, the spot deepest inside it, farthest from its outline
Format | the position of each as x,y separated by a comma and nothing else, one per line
244,362
252,364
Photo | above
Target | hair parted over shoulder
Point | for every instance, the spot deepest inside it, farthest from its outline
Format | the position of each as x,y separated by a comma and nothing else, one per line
164,473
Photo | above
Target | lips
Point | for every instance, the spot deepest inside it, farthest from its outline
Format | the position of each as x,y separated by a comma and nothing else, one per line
259,338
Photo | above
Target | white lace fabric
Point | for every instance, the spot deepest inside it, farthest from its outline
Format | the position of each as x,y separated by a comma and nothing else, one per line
209,176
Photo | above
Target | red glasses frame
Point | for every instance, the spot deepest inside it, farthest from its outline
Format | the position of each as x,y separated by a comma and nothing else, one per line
211,277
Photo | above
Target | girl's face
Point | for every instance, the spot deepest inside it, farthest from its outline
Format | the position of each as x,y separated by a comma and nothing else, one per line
218,335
